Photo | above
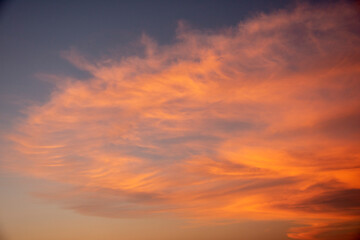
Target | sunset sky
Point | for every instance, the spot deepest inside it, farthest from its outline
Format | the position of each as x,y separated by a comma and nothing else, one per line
174,120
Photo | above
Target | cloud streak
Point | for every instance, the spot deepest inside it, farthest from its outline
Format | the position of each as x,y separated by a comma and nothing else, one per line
258,121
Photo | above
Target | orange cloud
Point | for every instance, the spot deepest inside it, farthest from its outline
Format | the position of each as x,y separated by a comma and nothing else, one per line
259,121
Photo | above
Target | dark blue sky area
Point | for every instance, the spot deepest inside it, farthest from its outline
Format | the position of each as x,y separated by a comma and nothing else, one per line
33,33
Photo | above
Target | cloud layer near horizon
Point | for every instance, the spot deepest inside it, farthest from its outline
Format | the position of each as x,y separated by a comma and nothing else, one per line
259,121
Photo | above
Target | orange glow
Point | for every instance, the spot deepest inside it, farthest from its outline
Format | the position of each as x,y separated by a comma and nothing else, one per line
261,121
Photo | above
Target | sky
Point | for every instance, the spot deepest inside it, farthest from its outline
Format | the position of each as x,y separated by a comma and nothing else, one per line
178,120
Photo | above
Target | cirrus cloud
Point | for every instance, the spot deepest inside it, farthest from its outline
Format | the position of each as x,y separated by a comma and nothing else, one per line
258,121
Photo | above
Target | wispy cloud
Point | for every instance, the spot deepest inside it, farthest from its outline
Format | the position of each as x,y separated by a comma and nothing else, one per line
258,121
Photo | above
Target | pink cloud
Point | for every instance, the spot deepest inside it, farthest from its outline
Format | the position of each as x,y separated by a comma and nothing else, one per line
259,121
